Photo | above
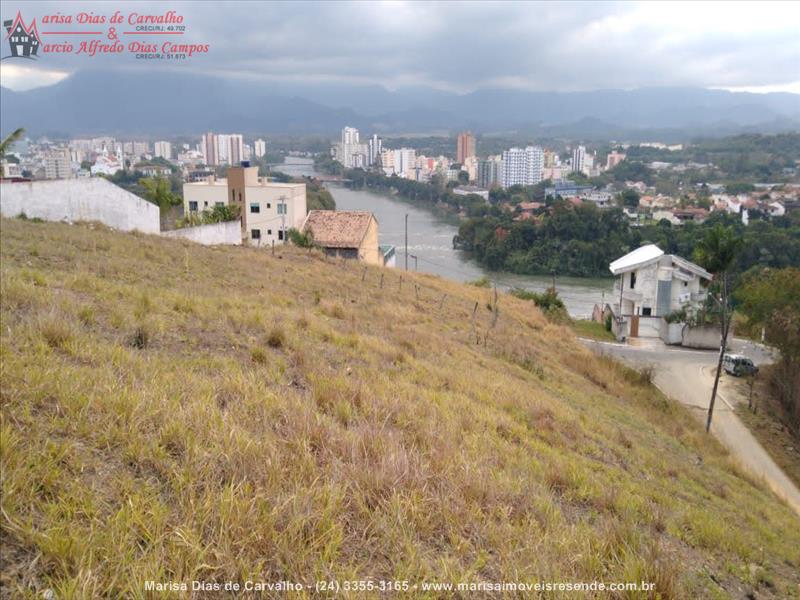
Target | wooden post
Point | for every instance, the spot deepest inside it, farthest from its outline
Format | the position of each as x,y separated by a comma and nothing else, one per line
273,247
441,302
381,280
401,283
364,274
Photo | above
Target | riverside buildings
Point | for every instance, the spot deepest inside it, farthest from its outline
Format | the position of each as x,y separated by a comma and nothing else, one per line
522,166
465,147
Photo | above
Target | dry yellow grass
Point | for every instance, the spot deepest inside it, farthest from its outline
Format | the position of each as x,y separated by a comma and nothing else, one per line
167,417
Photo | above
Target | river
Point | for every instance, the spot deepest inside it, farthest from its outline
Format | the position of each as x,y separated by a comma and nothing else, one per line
430,239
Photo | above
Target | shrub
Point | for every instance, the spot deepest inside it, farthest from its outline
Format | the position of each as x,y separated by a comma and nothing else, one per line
300,239
276,337
483,282
258,356
140,338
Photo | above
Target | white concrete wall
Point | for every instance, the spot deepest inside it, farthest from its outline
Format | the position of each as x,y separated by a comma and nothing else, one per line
94,199
705,336
215,234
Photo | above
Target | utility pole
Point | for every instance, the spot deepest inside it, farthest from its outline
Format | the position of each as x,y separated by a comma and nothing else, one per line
406,241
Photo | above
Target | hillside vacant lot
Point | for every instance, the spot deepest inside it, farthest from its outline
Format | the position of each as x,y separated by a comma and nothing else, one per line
176,413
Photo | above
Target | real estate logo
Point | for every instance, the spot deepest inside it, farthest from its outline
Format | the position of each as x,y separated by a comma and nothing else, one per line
23,40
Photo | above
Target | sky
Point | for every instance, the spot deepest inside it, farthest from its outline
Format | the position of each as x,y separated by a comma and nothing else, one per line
453,46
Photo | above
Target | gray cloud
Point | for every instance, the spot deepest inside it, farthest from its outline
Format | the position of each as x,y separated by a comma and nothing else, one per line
464,46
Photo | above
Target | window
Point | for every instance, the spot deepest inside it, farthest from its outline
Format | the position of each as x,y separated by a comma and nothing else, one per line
280,234
255,207
205,203
233,196
646,311
269,205
269,231
192,206
282,208
240,197
219,204
633,279
255,234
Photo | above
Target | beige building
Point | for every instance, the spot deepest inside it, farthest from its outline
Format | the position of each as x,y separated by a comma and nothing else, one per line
268,209
346,234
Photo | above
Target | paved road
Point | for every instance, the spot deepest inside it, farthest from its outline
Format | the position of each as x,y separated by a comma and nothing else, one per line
688,376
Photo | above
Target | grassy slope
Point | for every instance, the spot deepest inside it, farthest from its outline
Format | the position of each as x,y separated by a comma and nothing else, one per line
301,424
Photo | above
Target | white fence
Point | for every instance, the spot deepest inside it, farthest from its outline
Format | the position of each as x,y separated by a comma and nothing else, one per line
228,233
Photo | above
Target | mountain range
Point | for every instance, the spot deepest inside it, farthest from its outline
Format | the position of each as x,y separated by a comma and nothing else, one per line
160,103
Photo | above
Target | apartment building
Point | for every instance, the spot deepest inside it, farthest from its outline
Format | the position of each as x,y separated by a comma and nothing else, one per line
465,146
57,164
523,166
268,209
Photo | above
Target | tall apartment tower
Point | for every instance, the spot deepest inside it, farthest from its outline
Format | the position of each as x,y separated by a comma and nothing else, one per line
259,148
579,159
523,166
210,149
375,148
235,149
465,146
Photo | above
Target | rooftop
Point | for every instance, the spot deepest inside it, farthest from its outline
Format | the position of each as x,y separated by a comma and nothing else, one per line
338,228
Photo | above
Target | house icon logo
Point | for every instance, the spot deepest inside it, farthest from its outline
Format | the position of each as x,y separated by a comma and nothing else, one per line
23,40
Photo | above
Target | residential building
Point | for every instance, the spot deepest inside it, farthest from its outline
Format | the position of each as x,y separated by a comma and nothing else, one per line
162,150
108,164
470,165
613,159
210,149
235,148
579,159
490,172
652,285
350,152
259,148
57,164
268,209
522,166
350,234
9,170
465,146
153,170
405,162
375,147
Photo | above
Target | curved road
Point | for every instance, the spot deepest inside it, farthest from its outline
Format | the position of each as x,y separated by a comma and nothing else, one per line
688,376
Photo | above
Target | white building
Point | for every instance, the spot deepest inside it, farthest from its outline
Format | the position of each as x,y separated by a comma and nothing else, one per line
522,166
107,164
375,146
268,209
350,152
579,159
652,285
405,163
260,148
163,150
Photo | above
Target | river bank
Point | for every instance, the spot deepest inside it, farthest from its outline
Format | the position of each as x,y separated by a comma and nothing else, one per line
430,240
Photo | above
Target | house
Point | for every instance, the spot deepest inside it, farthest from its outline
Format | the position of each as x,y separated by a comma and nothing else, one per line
652,285
268,209
347,234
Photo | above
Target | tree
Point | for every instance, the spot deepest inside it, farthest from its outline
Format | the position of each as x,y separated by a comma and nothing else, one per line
9,140
716,252
158,191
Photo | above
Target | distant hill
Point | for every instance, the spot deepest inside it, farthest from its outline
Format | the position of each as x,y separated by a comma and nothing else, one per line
93,102
177,412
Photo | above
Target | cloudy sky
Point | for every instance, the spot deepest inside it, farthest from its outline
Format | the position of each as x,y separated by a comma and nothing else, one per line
456,46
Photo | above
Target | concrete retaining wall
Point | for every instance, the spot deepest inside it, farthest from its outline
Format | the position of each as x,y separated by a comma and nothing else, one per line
228,234
671,333
705,336
94,199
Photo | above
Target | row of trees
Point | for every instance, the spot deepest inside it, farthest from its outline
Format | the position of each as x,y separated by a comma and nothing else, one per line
581,240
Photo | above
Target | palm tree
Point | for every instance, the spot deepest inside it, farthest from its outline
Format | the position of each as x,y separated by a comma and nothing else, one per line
716,253
9,140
